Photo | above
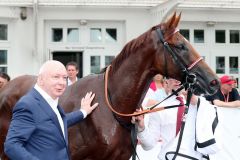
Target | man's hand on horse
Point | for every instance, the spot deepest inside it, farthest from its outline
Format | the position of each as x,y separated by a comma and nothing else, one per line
86,102
139,121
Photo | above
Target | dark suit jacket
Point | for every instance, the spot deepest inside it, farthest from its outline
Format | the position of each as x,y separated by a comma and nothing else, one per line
35,133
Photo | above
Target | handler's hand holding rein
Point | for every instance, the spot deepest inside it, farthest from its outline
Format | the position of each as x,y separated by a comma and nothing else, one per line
194,98
139,121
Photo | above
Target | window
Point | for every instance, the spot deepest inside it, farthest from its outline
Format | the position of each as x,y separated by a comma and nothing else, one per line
220,36
3,32
234,36
220,65
95,34
103,35
57,34
108,60
233,65
198,36
70,35
73,35
95,64
185,33
111,35
3,61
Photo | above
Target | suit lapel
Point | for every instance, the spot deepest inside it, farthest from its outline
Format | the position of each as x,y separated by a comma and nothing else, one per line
62,113
48,110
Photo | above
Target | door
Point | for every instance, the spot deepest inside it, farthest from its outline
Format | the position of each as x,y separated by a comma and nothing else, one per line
66,57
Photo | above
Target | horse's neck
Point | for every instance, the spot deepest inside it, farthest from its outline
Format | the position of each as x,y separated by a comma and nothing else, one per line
128,85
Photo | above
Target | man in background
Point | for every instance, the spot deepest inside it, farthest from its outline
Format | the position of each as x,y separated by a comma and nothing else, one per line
228,101
227,95
72,71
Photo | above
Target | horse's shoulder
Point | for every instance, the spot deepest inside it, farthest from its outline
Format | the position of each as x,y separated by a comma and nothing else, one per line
91,77
79,89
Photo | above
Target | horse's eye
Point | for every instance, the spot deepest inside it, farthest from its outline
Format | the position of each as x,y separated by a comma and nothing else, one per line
182,47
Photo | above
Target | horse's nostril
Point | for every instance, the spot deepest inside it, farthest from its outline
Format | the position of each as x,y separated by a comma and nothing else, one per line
213,83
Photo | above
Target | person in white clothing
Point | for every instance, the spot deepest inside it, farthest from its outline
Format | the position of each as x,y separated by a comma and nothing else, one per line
162,125
156,84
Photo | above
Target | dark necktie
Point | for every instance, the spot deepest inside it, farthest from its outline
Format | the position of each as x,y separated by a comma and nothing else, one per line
179,113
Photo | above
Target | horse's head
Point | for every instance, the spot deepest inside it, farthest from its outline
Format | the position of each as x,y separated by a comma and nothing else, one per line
181,60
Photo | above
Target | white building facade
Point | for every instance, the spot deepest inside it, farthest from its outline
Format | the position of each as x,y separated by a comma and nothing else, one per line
92,33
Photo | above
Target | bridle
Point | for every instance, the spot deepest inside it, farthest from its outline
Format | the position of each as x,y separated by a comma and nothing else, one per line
190,78
185,70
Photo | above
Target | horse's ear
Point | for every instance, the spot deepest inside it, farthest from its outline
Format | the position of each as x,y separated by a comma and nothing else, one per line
177,20
171,21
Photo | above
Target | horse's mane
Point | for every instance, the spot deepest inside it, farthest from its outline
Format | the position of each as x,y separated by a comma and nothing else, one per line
130,48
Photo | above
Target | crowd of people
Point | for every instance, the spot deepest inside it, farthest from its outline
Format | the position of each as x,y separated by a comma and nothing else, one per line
31,133
165,126
160,130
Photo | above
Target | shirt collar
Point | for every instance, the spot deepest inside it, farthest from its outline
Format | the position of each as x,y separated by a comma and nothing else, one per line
69,82
53,103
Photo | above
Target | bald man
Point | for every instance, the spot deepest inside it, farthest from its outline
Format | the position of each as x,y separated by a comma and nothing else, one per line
38,130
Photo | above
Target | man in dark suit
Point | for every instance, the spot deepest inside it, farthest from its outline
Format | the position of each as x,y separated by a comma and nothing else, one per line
38,130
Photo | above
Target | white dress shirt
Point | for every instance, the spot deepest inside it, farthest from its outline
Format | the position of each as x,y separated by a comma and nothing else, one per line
69,82
53,103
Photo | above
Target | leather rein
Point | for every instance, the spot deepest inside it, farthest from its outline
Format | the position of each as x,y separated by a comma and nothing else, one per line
190,79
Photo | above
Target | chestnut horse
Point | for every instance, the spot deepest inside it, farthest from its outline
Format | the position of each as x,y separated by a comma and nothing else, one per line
102,135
